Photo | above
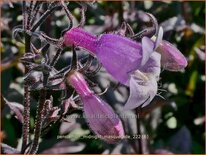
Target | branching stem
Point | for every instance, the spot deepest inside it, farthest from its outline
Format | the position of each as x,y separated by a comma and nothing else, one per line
26,114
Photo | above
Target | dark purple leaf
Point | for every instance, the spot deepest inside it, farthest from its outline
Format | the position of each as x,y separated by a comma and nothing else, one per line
16,108
6,149
51,116
68,103
66,127
65,105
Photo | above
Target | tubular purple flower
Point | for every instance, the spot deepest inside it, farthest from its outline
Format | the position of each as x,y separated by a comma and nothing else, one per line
79,37
143,82
118,54
76,80
172,59
100,116
132,63
102,119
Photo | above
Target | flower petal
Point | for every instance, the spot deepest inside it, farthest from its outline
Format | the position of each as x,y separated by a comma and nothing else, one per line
153,66
159,38
119,55
171,58
142,91
102,119
147,49
143,83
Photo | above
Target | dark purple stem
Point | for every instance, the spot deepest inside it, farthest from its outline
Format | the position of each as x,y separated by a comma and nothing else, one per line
24,14
26,114
56,57
29,15
38,123
43,17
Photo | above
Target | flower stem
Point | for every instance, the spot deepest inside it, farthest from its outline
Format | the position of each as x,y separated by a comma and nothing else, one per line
56,57
26,114
29,15
38,123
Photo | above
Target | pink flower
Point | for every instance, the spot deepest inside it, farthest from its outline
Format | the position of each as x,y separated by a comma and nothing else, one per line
119,55
172,59
100,116
135,64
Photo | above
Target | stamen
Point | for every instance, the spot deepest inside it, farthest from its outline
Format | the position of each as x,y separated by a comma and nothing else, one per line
138,73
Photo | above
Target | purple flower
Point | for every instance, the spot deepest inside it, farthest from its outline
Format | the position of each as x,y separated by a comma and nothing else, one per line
172,59
135,64
118,54
143,82
100,116
131,63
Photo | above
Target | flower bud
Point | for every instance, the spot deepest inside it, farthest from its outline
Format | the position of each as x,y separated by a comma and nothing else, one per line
102,119
171,58
100,116
77,81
